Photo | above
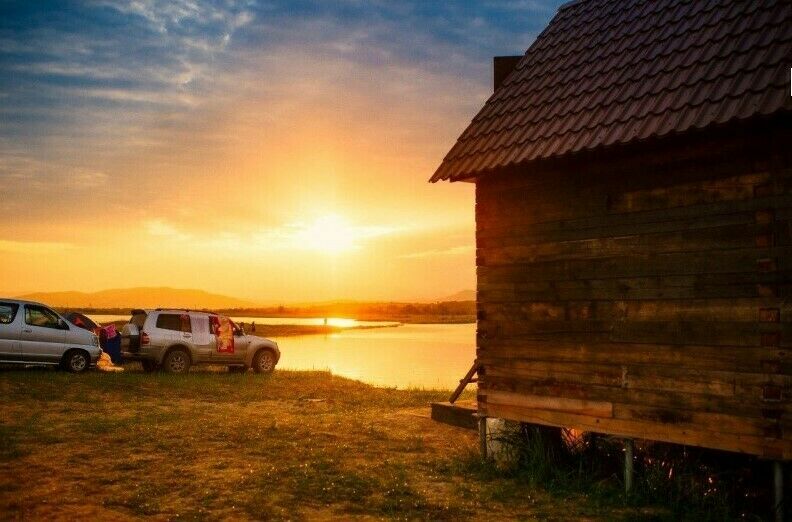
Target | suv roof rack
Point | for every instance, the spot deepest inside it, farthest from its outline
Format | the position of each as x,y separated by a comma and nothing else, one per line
184,310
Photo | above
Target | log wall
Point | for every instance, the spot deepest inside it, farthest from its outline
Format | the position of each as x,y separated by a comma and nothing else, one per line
645,297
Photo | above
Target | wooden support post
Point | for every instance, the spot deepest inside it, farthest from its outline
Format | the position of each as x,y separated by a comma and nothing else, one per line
628,466
464,382
482,428
778,490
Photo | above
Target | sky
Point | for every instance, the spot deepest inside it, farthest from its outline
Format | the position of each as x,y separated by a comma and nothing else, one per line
272,151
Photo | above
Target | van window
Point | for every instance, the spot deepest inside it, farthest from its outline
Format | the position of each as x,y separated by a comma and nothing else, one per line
176,322
41,317
8,312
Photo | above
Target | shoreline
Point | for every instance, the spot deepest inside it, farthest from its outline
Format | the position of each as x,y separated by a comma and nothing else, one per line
293,330
290,330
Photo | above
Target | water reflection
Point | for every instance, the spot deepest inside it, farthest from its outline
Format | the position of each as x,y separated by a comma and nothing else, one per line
411,355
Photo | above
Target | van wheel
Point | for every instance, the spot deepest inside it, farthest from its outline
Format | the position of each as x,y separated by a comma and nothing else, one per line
237,369
76,361
264,362
148,366
177,361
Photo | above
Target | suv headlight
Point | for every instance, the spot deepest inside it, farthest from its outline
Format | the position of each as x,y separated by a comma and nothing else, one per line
95,340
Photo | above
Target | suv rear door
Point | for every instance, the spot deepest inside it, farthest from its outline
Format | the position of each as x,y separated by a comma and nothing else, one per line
175,327
10,330
203,339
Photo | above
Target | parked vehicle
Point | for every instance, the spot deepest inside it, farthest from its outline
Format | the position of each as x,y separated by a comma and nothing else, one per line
32,333
174,340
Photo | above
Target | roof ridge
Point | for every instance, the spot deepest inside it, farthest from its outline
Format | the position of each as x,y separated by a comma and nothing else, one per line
571,3
628,99
659,67
588,128
674,34
721,57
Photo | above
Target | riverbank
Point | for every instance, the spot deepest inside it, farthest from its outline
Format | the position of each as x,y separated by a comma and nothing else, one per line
217,445
449,312
289,330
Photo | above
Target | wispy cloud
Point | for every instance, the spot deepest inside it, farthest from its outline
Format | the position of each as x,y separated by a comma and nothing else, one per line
162,229
326,234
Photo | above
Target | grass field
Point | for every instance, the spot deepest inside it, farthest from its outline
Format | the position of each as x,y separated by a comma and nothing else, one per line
211,445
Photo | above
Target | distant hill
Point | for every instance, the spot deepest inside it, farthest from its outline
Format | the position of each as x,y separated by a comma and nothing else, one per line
143,297
464,295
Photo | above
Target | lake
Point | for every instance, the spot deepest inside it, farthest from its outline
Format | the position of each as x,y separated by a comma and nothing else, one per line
405,356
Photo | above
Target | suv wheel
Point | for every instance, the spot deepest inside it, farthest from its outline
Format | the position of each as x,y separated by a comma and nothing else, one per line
264,362
76,361
177,361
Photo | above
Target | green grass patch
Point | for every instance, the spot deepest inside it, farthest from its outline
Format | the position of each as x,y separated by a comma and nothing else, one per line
9,443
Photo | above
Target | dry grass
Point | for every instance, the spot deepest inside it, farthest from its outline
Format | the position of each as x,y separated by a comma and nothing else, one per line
210,445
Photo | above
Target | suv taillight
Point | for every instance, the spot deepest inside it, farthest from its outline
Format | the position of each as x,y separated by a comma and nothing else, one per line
144,339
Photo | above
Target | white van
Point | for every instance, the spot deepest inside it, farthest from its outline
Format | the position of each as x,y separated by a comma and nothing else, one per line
32,333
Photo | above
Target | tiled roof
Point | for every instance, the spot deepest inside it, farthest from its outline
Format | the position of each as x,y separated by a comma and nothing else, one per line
605,72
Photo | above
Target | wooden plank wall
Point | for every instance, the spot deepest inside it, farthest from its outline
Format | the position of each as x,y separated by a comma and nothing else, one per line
647,299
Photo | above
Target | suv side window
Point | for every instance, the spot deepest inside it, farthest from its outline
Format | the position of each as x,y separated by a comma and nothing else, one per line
176,322
8,312
42,317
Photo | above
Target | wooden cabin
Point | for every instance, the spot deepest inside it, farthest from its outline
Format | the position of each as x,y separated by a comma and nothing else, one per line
633,178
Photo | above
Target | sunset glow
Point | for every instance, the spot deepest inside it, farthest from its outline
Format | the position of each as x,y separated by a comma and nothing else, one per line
330,234
273,152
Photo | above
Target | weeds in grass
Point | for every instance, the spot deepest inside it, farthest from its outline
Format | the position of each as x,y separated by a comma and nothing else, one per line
29,431
9,443
145,500
322,481
683,483
401,501
414,444
102,424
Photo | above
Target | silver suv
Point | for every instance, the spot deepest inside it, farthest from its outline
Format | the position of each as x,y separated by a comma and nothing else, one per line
174,340
32,333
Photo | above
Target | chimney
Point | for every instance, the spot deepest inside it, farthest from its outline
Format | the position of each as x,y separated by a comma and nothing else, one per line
502,66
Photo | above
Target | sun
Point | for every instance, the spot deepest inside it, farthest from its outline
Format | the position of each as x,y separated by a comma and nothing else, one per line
331,234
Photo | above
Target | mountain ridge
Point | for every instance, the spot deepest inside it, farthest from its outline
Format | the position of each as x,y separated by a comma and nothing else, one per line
138,297
163,296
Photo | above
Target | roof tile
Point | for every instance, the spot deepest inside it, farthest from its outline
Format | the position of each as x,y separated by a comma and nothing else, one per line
616,71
